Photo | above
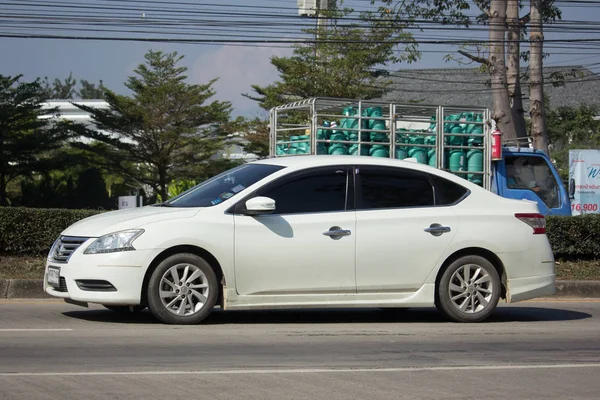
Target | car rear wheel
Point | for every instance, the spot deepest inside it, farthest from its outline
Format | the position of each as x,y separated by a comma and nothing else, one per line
182,290
469,290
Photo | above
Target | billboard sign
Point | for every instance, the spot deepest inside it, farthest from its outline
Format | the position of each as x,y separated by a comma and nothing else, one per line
584,181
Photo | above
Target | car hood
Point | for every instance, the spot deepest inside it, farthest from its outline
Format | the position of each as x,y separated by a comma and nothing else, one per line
113,221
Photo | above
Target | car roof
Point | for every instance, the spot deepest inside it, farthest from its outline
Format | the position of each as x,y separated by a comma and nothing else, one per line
302,161
308,161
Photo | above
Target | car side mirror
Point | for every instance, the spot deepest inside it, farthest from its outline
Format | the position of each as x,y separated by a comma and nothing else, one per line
260,205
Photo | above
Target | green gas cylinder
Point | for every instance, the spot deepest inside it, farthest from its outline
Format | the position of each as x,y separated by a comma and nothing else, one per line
293,149
280,149
432,125
323,134
401,153
450,122
378,150
321,148
338,149
364,125
401,145
477,132
431,157
353,150
453,127
303,145
338,136
377,124
475,164
347,122
457,160
420,153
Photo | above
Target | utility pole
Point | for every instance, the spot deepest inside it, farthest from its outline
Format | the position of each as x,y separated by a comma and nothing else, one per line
314,8
321,22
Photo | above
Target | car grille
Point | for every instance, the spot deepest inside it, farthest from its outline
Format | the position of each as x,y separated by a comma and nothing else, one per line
64,247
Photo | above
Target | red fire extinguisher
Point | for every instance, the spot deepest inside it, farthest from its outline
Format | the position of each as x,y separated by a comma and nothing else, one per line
496,145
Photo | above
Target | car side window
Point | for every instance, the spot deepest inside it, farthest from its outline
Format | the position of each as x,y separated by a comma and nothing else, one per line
322,191
446,191
394,188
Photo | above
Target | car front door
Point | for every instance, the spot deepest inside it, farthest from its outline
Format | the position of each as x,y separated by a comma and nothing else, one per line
400,232
299,249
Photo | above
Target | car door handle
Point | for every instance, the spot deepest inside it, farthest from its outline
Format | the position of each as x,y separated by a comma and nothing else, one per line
437,229
335,232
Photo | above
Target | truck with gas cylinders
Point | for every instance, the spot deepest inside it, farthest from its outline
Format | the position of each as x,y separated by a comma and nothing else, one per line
459,139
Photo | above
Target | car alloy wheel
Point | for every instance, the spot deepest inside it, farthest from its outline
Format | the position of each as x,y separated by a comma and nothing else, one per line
469,289
182,289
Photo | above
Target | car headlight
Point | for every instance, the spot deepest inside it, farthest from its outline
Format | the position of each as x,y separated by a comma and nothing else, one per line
113,242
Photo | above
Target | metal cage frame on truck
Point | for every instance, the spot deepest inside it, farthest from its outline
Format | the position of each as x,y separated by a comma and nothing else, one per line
305,118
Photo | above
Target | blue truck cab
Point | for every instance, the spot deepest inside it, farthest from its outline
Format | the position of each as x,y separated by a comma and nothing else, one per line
526,173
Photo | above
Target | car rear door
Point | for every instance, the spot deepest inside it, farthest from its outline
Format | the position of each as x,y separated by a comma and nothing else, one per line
401,233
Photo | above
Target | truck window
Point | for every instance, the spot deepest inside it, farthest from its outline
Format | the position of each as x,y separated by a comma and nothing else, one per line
533,173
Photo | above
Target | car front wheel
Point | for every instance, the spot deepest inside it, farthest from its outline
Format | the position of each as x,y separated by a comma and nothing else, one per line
182,290
469,290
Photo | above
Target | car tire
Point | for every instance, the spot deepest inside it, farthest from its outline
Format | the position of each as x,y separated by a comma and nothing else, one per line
468,290
124,309
190,298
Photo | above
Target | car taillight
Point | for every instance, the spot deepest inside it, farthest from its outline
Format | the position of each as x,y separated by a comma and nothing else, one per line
536,221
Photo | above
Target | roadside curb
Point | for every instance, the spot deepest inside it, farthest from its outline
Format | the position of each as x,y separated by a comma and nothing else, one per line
22,289
577,289
34,289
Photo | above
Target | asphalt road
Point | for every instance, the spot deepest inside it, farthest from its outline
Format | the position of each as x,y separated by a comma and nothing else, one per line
532,350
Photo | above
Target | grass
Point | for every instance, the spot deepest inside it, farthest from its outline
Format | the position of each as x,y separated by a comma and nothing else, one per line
13,267
22,267
578,270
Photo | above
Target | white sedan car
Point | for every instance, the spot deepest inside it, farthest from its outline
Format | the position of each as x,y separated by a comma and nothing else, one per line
310,231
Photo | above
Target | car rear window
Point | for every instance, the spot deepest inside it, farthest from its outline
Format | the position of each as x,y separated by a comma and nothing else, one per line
446,191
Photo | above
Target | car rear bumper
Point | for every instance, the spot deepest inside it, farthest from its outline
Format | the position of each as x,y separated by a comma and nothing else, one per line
519,289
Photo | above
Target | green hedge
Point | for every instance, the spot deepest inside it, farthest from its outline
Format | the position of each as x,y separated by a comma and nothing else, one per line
31,231
575,237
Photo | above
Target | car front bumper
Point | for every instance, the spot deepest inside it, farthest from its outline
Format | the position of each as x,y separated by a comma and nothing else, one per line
111,278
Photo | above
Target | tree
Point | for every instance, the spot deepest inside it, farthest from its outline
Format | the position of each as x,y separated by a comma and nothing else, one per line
67,89
572,128
257,138
501,112
536,91
91,190
60,89
27,141
505,74
91,91
348,60
164,131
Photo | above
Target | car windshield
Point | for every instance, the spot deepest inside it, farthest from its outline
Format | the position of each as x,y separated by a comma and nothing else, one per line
222,187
